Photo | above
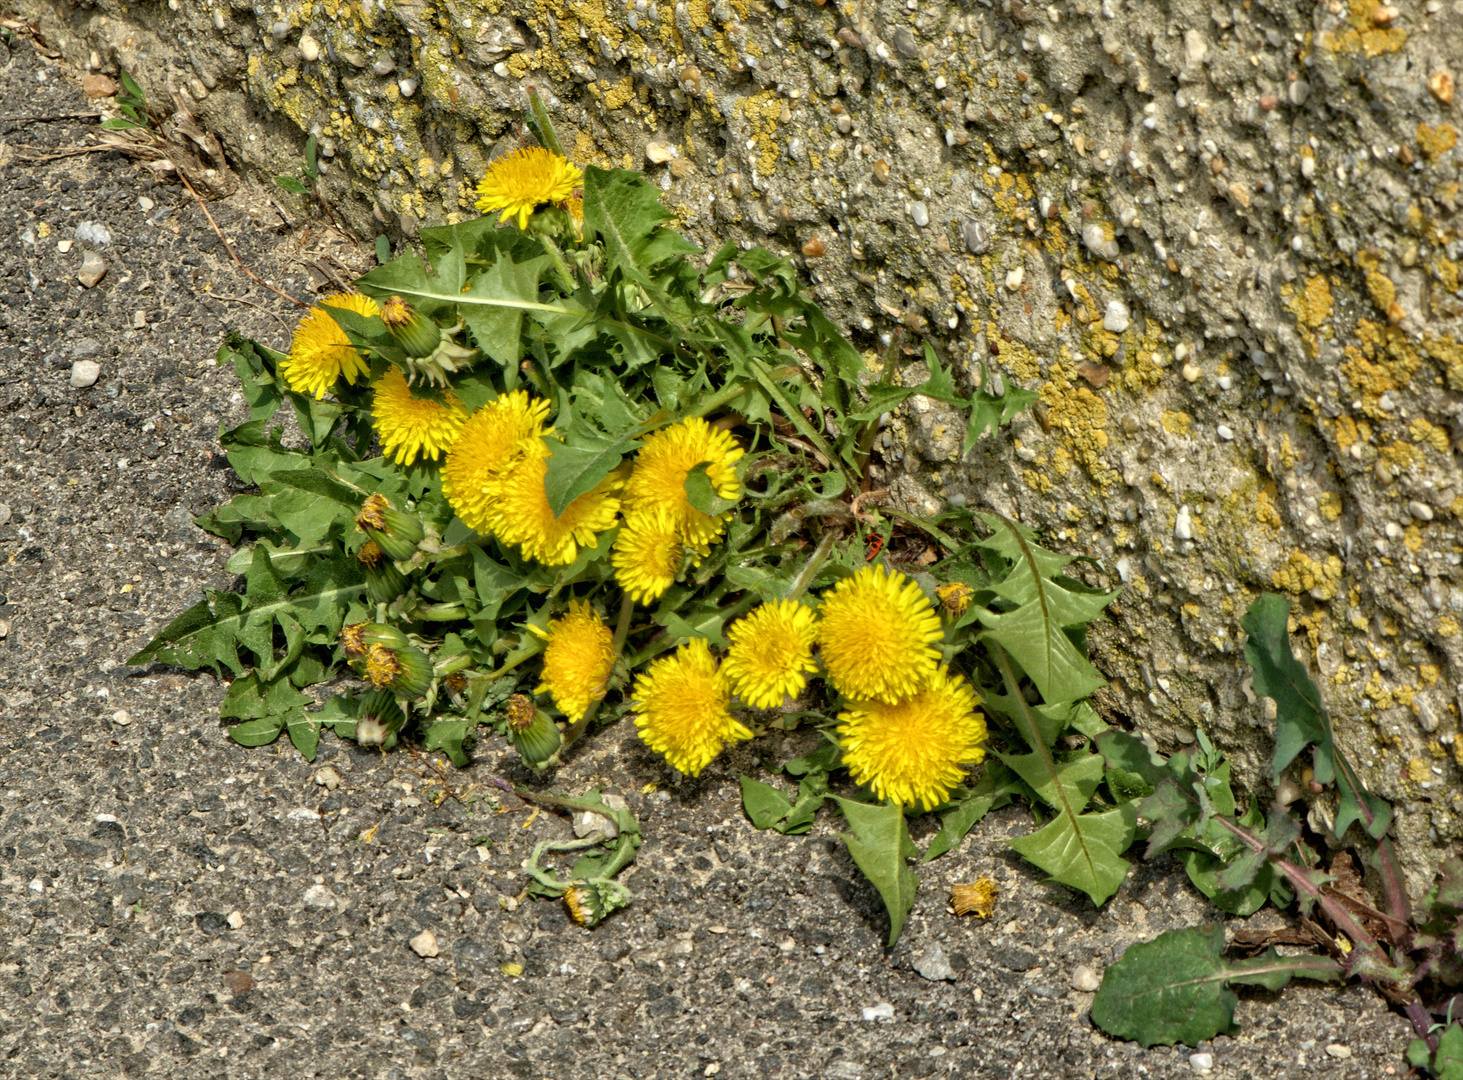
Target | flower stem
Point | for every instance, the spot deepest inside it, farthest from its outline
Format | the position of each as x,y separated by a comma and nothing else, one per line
811,567
545,125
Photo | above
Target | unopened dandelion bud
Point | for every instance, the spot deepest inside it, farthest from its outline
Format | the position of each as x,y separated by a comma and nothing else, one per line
955,598
380,717
397,534
384,583
417,335
406,672
535,736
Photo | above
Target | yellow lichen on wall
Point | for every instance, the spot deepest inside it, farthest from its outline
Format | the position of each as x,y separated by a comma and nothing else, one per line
1424,431
1177,422
1311,306
762,113
1081,418
1015,357
1329,505
1435,141
1265,510
1303,574
1363,34
1381,360
1383,292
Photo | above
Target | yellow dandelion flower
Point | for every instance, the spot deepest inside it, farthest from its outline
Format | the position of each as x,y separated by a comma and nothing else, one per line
682,708
490,441
321,354
667,458
411,426
771,653
520,512
520,182
648,555
878,633
911,752
577,659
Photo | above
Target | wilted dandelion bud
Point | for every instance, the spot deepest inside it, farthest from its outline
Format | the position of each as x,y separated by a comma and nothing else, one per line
384,582
418,335
955,598
533,734
395,533
589,904
977,898
352,640
392,661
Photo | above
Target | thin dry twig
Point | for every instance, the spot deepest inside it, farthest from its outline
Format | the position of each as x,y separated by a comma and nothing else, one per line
230,248
251,303
50,117
37,155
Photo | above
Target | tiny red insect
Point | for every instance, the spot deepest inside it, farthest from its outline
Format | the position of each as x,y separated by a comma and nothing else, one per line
876,545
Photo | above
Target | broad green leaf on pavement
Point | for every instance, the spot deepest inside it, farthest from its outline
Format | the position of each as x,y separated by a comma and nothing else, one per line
1173,989
1080,851
881,847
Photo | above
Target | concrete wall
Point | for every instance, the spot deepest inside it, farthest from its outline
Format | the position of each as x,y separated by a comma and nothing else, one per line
1221,239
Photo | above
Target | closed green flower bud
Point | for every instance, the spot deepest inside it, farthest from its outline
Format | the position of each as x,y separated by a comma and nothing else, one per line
397,534
532,733
405,672
384,582
417,335
380,718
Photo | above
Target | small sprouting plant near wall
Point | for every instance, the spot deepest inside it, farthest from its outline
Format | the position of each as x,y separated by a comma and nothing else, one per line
1176,987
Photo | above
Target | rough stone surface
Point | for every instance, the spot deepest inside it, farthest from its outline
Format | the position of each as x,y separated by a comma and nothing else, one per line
1272,189
129,823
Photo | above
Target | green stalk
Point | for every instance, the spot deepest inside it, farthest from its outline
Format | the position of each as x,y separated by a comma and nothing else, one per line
452,665
439,613
811,567
545,125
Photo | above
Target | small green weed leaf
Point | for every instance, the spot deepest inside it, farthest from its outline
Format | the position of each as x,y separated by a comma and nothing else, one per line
988,413
249,699
259,732
1447,1063
701,495
498,328
994,789
576,466
130,85
290,184
304,732
1083,852
1015,543
449,735
120,123
1172,812
383,250
312,167
1281,831
1045,653
1077,780
1300,718
624,211
881,848
764,804
1172,989
1123,751
822,760
1204,870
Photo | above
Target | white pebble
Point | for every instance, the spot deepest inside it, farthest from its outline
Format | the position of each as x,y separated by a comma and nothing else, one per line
881,1011
1225,432
1097,242
1225,382
1191,372
1183,528
85,373
658,153
1336,1050
1420,510
236,920
1015,277
122,717
318,896
425,944
328,778
1086,979
1201,1062
93,269
919,213
309,49
1116,319
407,86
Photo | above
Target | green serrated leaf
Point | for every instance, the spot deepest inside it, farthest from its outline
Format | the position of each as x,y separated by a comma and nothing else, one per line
1045,653
449,736
578,464
988,413
994,789
880,845
290,184
1065,786
765,806
624,210
304,732
702,495
260,732
1173,988
1083,851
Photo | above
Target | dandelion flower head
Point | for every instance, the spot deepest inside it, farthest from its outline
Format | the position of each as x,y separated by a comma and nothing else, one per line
520,512
321,353
489,442
665,460
771,653
878,634
682,710
648,554
410,426
577,659
520,182
911,752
